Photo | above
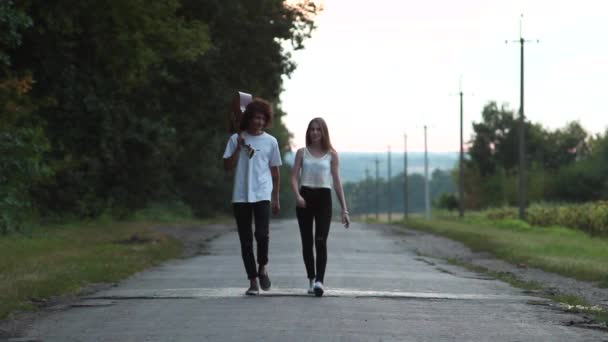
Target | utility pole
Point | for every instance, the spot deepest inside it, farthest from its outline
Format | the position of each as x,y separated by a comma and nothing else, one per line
461,163
377,177
388,185
522,127
405,199
461,157
366,192
427,204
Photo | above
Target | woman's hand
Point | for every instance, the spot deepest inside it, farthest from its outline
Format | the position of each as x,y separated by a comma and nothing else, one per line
345,219
300,202
276,207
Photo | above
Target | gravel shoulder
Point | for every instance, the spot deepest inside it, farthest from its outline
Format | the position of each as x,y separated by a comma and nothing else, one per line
431,245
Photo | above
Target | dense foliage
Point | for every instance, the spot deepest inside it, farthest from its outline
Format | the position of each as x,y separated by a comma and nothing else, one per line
564,165
109,106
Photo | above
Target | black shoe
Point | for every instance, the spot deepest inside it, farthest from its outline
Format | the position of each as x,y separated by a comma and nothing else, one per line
253,290
264,281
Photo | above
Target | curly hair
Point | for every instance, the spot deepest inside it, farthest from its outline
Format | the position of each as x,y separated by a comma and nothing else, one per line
258,105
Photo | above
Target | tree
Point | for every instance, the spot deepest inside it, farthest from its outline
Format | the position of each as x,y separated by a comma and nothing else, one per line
493,142
22,141
132,94
587,178
566,145
248,54
90,61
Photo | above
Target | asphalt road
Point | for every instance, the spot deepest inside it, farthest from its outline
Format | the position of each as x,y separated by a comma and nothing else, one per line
376,290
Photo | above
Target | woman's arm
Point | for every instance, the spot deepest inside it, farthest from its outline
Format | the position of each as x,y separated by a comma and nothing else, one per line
335,173
295,174
276,183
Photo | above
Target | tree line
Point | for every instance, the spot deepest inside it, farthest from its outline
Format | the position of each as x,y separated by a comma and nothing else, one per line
362,196
566,165
109,106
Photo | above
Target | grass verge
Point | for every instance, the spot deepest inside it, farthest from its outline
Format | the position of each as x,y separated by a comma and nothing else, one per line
561,250
61,259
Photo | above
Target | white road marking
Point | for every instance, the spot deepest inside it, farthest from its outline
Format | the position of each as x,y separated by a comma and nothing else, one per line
228,292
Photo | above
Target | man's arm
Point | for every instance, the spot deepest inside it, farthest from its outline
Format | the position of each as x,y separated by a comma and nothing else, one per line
231,161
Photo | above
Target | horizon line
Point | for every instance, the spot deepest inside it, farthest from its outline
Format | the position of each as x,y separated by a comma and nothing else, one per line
342,151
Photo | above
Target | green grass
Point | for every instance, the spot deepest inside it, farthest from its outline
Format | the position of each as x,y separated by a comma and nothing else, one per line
557,249
60,259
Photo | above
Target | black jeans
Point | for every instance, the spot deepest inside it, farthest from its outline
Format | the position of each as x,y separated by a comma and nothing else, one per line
261,214
318,209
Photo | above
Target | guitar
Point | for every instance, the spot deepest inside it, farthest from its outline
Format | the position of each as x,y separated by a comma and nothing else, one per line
235,115
239,103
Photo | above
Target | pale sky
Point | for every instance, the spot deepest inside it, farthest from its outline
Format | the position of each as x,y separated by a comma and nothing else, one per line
378,69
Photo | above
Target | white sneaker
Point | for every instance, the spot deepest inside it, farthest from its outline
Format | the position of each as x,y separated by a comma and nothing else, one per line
318,288
253,289
311,286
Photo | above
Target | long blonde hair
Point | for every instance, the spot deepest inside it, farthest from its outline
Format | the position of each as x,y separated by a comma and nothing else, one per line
325,140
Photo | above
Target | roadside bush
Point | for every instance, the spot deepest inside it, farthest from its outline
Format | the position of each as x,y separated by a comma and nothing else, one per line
589,217
447,201
543,215
501,213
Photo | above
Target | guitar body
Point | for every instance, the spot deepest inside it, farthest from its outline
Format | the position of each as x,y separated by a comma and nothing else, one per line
239,103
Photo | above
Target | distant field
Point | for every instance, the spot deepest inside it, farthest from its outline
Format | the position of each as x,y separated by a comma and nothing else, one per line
353,164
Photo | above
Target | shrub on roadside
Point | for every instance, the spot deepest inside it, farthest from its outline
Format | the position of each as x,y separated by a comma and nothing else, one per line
589,217
447,201
501,213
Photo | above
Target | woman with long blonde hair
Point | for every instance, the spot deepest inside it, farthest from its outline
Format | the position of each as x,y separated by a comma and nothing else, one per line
315,171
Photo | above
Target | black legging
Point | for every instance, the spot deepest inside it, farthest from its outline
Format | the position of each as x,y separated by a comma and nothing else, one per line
261,214
318,208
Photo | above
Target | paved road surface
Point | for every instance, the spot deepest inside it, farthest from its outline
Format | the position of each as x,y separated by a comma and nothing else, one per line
377,290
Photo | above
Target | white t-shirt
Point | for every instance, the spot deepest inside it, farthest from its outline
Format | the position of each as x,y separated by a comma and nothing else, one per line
252,179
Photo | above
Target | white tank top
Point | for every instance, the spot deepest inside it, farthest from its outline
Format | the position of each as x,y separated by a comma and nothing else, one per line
316,172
